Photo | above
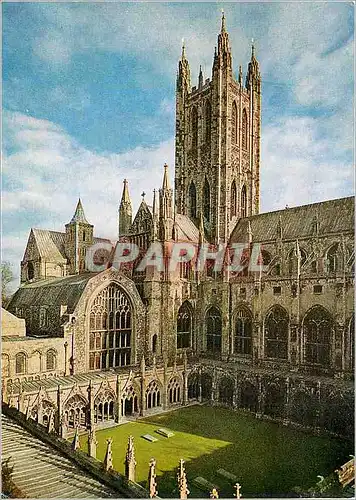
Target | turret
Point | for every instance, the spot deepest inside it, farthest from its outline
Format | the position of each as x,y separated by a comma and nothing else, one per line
166,207
125,211
79,236
223,57
253,77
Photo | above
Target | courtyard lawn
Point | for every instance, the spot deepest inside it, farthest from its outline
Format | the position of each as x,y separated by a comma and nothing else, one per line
267,459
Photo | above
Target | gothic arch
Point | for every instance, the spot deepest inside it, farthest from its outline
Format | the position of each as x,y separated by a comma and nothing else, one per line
111,329
243,201
233,200
276,330
292,260
192,203
206,385
275,396
184,326
206,200
234,124
332,259
208,117
194,123
213,330
318,327
174,390
21,363
226,390
153,394
51,360
30,271
75,411
129,400
244,127
243,331
193,385
249,396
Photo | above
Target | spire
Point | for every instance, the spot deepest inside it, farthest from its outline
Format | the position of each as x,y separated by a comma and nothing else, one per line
253,74
223,27
92,441
166,183
183,76
125,193
79,215
155,204
224,58
125,211
240,75
182,481
201,78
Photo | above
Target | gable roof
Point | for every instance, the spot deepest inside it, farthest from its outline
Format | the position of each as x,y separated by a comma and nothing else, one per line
50,245
51,292
333,216
186,229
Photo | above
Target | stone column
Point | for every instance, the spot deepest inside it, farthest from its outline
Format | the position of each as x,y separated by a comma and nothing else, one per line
143,387
260,406
165,379
118,400
92,442
200,397
185,379
90,423
39,408
59,410
66,371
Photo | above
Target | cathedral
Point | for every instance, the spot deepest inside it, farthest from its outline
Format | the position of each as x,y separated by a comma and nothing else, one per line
114,344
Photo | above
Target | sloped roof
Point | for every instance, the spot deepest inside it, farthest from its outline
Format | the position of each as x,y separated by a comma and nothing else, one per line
50,245
186,229
333,216
79,215
51,292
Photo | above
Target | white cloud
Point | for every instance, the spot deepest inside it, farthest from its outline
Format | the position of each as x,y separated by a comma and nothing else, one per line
297,167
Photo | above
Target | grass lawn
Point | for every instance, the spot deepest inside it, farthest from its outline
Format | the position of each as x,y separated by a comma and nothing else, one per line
267,459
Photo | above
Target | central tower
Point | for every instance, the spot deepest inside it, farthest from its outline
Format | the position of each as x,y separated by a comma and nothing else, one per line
217,158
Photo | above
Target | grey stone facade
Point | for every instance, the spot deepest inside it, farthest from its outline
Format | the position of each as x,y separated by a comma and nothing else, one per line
279,344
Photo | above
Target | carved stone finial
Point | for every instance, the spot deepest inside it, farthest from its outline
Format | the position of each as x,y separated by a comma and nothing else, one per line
182,481
92,442
76,442
130,462
237,488
108,456
152,485
214,493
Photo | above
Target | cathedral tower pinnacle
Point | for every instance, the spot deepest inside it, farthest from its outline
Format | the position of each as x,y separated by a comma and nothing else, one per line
218,144
125,211
79,236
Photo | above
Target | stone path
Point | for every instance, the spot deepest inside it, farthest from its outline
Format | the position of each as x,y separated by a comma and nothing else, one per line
41,472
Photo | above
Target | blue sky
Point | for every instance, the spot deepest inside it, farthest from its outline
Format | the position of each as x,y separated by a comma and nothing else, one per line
88,99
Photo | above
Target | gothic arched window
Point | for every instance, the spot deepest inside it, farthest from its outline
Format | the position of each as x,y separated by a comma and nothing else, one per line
110,329
234,127
244,129
213,330
192,201
50,360
276,333
206,200
233,200
331,259
194,128
184,326
20,363
174,390
207,122
30,271
293,260
154,343
243,202
153,395
317,333
243,332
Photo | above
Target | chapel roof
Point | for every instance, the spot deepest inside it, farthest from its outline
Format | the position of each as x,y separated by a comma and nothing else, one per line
333,217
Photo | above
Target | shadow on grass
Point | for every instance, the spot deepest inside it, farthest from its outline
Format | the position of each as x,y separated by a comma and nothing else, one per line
267,459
